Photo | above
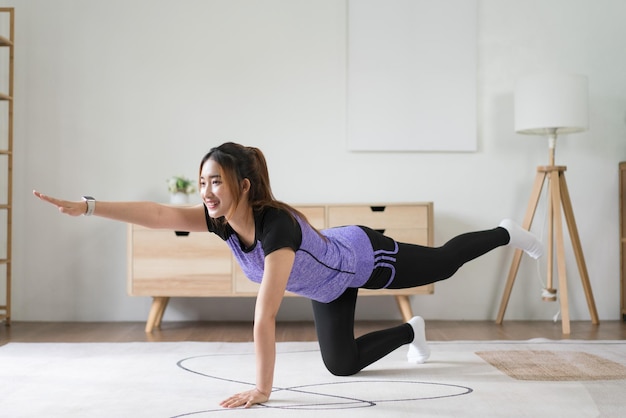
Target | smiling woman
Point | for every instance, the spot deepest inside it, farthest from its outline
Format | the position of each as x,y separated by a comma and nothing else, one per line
278,248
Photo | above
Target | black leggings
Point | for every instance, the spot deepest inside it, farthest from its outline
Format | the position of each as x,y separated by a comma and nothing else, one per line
405,266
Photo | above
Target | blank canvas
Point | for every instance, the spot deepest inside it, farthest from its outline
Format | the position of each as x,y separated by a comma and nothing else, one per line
412,75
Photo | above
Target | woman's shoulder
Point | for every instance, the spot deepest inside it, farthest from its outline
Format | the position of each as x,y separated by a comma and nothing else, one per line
277,228
271,214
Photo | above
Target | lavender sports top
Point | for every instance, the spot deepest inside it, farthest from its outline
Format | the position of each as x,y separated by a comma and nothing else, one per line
322,270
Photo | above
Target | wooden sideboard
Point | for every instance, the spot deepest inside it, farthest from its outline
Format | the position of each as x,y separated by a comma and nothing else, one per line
164,264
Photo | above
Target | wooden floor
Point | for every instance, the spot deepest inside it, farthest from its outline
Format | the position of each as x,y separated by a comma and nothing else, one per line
297,331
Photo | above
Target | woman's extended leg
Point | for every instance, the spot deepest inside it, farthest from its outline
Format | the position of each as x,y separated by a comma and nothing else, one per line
416,265
408,265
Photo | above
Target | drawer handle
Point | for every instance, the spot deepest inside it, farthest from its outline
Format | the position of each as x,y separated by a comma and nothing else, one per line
377,208
181,233
382,231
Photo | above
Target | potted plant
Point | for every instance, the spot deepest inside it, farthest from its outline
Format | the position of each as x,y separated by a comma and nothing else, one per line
180,188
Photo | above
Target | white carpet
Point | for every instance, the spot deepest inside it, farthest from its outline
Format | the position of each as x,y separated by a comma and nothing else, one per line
189,379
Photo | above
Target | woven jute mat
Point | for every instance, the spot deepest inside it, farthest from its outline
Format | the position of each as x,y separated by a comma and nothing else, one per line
553,365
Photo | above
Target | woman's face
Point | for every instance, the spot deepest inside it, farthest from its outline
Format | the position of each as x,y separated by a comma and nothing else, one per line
215,193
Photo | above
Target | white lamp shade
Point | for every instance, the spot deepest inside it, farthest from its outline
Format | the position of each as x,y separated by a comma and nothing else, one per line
551,103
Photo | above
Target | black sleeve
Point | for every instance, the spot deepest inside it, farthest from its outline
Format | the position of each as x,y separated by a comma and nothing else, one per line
277,229
217,226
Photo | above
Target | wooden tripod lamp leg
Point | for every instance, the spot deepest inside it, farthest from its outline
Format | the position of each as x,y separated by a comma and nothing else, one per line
555,196
528,220
578,250
550,238
509,286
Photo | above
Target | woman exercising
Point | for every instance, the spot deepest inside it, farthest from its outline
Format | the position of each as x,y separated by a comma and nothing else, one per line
277,247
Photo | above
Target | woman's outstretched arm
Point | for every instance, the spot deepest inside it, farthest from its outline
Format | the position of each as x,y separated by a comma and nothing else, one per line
148,214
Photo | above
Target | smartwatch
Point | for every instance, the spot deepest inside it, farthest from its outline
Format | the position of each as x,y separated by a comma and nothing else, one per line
91,205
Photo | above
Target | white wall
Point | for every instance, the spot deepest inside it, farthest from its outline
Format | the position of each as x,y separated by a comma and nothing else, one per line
113,97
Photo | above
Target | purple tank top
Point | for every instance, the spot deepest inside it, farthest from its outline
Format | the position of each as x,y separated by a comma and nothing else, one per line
323,268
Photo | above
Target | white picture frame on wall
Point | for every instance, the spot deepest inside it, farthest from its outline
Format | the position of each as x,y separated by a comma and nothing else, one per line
411,75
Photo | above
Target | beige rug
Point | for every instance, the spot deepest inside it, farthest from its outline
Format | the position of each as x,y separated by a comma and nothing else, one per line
553,365
189,380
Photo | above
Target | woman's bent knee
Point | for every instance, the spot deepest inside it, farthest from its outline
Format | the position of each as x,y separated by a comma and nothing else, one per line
342,368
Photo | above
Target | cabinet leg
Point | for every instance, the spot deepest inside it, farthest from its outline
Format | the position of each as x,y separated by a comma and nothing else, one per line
157,310
159,317
405,307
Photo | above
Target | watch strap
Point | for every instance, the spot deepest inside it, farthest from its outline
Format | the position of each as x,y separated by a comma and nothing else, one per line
91,205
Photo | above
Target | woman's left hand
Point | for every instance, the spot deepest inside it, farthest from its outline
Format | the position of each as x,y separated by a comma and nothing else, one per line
245,399
64,206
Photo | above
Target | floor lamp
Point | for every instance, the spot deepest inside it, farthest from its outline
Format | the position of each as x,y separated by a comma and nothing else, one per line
550,105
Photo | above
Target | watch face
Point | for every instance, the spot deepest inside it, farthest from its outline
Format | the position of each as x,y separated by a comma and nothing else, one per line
88,198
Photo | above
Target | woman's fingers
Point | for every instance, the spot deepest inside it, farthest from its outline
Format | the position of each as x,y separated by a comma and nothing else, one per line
246,399
64,206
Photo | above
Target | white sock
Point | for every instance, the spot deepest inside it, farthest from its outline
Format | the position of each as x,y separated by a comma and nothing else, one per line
522,239
418,349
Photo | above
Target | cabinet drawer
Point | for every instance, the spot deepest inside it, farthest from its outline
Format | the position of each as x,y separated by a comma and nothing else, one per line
316,215
380,217
164,264
408,235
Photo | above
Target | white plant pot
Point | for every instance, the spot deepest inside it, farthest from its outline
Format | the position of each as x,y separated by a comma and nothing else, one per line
179,198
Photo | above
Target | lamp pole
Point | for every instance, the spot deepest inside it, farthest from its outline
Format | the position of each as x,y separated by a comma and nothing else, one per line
552,146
